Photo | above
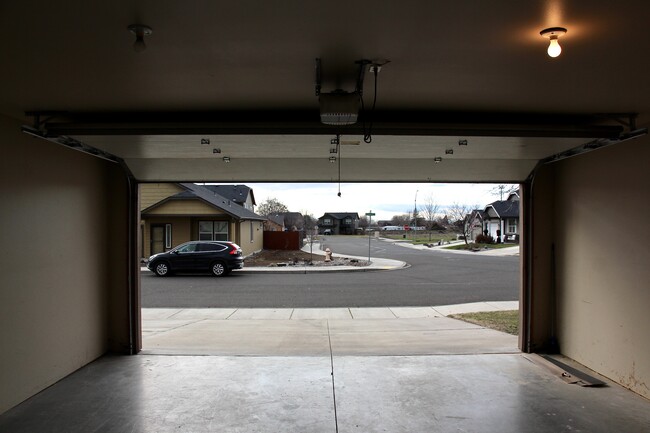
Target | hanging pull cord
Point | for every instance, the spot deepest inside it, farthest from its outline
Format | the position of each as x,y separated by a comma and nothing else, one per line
367,134
338,151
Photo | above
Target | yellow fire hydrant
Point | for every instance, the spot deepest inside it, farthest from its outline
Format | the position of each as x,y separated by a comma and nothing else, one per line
328,255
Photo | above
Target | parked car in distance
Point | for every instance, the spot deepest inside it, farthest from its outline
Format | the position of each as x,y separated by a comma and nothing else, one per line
216,257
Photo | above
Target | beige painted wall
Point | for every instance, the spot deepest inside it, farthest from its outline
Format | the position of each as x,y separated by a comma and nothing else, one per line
249,247
57,293
602,236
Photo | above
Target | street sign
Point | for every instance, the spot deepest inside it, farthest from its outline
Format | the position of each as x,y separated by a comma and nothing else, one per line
370,214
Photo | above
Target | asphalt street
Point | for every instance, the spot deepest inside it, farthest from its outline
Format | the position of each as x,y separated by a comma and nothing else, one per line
434,278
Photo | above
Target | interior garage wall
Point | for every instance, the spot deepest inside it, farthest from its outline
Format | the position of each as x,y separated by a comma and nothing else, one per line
62,263
602,236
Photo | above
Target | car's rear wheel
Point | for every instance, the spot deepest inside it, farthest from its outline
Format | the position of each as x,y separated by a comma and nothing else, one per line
162,269
218,269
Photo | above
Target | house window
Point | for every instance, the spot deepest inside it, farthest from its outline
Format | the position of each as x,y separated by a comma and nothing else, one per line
512,226
168,236
252,233
327,221
348,221
213,230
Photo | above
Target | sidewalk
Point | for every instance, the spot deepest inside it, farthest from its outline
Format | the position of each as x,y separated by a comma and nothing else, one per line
320,331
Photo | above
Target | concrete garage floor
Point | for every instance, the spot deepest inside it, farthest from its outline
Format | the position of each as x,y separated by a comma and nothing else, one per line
440,393
420,372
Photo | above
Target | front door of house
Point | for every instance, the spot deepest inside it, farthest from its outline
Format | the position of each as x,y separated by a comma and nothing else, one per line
157,242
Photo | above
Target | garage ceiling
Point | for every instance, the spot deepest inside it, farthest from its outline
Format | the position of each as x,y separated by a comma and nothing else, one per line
241,76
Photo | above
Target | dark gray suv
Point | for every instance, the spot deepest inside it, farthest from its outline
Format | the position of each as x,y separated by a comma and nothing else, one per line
216,257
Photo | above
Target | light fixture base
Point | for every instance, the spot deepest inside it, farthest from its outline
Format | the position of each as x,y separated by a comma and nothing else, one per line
139,29
553,32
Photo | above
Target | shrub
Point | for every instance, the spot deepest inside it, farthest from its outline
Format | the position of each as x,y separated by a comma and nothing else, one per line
484,239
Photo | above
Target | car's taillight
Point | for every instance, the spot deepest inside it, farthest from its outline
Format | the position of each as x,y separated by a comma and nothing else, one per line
235,250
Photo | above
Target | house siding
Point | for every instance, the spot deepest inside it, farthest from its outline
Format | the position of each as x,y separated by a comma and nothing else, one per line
185,207
152,193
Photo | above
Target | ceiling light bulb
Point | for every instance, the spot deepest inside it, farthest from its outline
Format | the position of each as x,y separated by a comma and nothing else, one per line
554,48
553,33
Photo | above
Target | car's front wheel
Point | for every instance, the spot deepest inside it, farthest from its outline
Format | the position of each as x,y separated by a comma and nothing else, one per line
162,269
218,269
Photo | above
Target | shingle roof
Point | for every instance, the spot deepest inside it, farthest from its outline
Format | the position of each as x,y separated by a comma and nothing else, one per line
216,200
505,208
236,193
341,215
278,219
480,212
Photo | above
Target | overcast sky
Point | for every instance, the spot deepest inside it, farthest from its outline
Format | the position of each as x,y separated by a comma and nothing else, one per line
384,199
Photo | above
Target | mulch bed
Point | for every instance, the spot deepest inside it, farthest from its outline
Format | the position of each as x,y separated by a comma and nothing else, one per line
277,258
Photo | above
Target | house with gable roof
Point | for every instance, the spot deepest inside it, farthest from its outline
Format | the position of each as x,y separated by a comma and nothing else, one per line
339,223
501,219
475,223
173,213
285,221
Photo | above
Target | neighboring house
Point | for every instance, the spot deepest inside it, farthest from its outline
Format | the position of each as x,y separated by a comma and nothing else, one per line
339,223
293,221
285,221
274,223
173,213
475,224
501,219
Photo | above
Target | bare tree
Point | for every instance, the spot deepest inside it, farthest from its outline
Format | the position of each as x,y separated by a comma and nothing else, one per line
429,209
310,224
460,216
401,220
272,206
363,222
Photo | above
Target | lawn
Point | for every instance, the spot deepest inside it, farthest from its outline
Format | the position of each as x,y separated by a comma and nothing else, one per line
420,237
504,321
473,246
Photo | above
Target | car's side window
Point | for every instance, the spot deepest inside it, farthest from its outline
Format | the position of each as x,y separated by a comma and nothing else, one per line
212,247
187,248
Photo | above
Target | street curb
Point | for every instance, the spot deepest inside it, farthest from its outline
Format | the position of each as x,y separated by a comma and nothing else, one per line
312,270
318,270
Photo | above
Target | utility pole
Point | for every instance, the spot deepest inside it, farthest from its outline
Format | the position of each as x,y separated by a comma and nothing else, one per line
415,217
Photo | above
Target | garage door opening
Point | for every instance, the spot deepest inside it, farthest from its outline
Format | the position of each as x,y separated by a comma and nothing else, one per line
379,269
